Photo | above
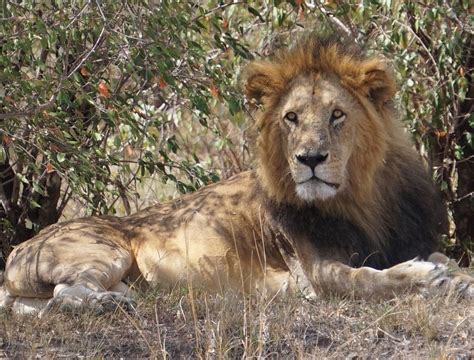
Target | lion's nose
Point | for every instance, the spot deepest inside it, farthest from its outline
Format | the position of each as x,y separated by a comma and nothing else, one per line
312,160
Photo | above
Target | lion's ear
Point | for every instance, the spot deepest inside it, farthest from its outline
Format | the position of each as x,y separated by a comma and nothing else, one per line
378,82
259,81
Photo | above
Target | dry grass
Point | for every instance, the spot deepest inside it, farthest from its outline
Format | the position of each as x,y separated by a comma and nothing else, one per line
180,324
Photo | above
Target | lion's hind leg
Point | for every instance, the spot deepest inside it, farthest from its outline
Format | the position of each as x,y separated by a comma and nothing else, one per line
73,265
22,305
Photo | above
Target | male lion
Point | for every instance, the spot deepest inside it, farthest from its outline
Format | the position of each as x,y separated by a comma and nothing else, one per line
338,186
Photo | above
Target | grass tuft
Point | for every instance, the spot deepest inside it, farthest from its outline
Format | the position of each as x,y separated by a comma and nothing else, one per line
178,323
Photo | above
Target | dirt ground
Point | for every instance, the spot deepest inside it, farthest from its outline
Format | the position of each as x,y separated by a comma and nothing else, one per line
180,323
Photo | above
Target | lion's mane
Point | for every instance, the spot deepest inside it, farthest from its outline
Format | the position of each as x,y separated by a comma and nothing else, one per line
390,197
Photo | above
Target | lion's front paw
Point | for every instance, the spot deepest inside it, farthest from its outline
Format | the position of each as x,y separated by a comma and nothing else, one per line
431,278
453,283
415,273
457,281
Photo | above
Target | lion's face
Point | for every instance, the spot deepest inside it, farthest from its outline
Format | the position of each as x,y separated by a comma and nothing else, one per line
317,116
324,122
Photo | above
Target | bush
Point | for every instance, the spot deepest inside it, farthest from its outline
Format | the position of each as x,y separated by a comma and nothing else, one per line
99,97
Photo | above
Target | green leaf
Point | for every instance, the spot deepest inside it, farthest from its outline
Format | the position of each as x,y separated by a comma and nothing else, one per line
469,139
255,12
28,223
22,178
234,106
3,155
63,99
99,185
117,141
34,204
458,152
200,103
38,188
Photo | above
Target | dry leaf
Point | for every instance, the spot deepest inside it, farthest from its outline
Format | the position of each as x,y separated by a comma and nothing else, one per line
103,89
84,72
49,168
214,91
162,83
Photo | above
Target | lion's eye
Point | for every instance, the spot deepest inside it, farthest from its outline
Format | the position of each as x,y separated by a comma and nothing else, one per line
336,114
291,116
337,117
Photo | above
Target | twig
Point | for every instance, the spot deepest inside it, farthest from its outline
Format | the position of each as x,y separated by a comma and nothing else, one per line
78,14
31,111
389,336
96,44
334,20
220,7
65,199
463,197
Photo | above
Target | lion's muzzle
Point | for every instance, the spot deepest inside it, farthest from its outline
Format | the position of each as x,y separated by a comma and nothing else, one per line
312,160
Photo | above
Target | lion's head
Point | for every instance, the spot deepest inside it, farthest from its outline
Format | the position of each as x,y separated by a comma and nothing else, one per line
325,122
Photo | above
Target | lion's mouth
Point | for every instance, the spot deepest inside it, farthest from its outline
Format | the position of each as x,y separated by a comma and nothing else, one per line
315,178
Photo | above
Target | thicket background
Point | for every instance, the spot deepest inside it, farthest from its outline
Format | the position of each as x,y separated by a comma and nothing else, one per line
104,104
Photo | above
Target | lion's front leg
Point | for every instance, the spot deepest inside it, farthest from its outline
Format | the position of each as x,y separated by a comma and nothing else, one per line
413,275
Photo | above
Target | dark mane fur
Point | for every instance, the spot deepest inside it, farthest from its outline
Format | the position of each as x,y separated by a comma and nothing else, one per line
413,222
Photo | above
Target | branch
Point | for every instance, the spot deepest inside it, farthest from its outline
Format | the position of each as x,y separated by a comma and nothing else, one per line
338,23
33,111
220,7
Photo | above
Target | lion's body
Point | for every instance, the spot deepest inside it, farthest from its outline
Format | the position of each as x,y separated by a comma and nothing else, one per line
337,187
211,238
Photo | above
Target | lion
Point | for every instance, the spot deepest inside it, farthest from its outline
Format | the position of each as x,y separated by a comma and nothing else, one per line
339,203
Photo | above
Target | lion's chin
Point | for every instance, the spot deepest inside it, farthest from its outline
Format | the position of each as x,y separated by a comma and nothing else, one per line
315,190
